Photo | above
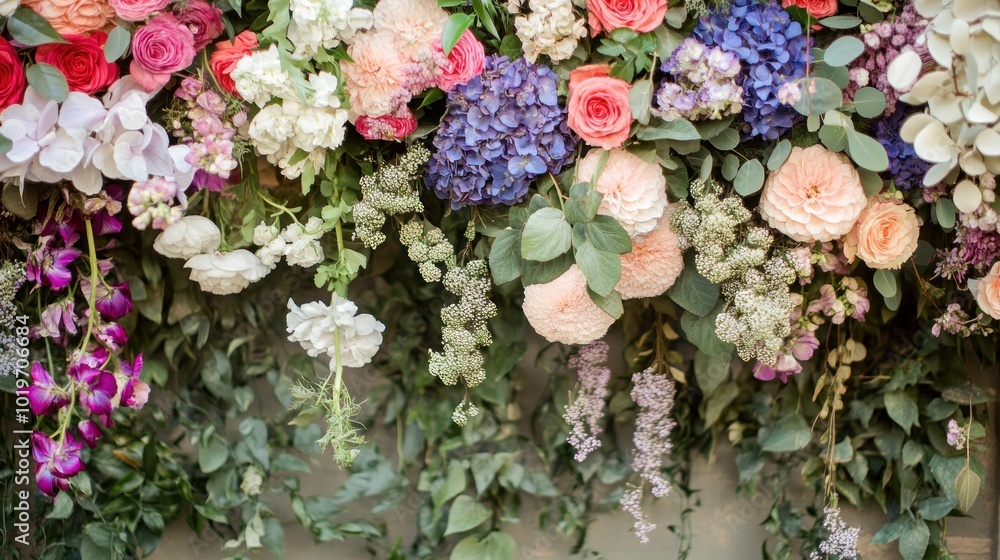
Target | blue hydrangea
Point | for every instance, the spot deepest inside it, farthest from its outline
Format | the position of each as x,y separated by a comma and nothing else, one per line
501,131
905,168
772,50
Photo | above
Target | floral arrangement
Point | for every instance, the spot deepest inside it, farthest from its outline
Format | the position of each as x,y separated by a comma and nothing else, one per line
783,214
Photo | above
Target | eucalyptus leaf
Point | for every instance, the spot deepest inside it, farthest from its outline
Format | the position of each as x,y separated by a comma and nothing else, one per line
867,151
944,210
730,166
118,42
779,155
640,98
869,102
843,51
505,256
48,81
819,95
750,178
725,140
840,22
30,29
885,283
678,129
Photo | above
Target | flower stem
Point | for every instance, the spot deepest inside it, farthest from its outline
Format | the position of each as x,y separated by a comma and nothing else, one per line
92,297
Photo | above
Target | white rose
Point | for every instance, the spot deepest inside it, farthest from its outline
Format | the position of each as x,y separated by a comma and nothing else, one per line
304,252
226,273
190,236
315,326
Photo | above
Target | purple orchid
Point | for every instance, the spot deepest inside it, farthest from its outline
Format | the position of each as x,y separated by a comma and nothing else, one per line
90,432
44,396
55,463
98,386
136,391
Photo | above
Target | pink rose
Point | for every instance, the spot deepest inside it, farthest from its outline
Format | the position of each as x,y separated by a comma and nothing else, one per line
885,235
639,15
227,54
388,127
598,106
203,19
818,9
465,61
988,292
160,48
137,10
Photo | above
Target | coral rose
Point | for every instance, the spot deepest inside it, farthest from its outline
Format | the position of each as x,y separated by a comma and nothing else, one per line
12,80
598,109
74,17
816,195
653,265
988,292
160,48
885,235
227,54
639,15
562,310
466,60
375,77
635,191
203,19
137,10
818,9
81,61
387,127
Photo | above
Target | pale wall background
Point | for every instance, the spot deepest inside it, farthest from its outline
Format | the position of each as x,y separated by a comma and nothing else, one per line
725,527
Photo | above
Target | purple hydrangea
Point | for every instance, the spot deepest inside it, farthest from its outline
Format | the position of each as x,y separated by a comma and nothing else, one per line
501,131
906,169
772,49
703,84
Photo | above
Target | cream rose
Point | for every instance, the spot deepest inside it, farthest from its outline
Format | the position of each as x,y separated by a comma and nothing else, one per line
885,235
226,273
987,292
190,236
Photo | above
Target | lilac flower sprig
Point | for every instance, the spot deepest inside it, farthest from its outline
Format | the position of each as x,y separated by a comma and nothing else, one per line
584,415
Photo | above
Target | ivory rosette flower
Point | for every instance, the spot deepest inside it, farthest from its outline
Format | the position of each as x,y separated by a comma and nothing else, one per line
416,24
375,76
635,190
816,195
317,326
654,263
987,292
562,311
885,235
190,236
226,273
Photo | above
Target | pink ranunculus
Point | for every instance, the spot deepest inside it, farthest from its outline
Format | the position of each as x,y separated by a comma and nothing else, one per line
137,10
465,61
203,19
388,127
598,106
227,54
641,16
160,48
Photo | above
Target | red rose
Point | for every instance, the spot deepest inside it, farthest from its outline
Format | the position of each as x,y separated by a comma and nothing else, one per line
227,54
82,61
389,127
465,61
818,9
639,15
12,81
598,109
203,19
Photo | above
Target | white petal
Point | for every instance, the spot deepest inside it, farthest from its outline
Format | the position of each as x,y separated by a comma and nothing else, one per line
903,71
959,38
65,152
934,145
967,196
81,111
988,142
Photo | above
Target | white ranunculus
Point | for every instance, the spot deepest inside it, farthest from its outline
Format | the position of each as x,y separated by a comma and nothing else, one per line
304,252
315,326
226,273
192,235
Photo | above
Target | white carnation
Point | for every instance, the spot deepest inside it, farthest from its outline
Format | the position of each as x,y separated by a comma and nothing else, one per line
226,273
190,236
259,76
273,126
320,128
317,326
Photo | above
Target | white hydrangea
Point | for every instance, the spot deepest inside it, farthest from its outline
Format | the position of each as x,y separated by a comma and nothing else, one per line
324,24
550,27
317,326
226,273
324,90
259,77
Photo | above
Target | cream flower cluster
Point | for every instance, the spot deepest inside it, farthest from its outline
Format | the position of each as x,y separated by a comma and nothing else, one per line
548,28
324,24
198,239
298,243
279,130
317,327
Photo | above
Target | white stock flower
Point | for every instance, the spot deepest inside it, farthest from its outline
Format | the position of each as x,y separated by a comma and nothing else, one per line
324,90
320,128
259,77
190,236
324,24
226,273
316,326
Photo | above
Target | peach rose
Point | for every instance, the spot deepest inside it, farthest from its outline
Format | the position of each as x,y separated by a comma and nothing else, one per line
988,292
816,195
227,54
818,9
639,15
885,235
598,109
74,17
